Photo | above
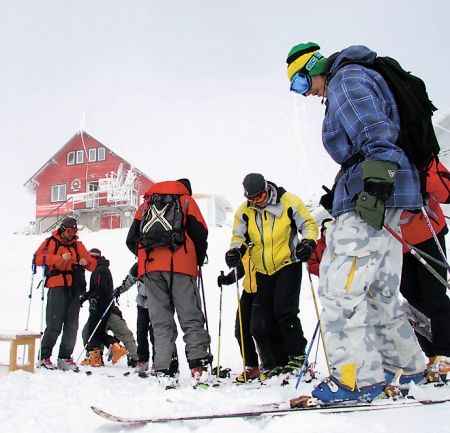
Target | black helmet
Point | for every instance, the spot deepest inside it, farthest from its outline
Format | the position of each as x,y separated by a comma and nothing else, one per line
68,222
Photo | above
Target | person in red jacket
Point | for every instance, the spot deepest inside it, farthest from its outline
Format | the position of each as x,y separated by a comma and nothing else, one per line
316,256
65,258
169,273
421,290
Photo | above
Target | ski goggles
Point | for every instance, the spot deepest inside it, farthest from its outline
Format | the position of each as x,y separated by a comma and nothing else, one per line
301,83
258,198
71,230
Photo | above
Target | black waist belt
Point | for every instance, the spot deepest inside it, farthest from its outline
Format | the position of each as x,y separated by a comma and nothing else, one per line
55,272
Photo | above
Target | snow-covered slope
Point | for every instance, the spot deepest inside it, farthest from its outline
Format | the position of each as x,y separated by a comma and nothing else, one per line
59,402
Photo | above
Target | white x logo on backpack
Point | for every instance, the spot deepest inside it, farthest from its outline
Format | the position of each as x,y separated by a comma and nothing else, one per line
157,217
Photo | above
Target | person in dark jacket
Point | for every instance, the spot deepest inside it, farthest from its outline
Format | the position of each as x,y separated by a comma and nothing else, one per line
426,231
65,259
169,275
360,269
100,297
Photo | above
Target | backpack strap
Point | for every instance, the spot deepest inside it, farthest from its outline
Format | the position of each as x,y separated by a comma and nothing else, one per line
55,272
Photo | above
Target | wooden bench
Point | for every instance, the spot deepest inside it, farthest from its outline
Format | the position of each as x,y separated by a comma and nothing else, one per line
16,339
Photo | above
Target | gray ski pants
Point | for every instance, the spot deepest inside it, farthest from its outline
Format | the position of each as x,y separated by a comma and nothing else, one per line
184,298
119,328
364,326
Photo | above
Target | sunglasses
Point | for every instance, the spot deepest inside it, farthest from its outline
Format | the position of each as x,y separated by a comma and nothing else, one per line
301,83
71,230
258,198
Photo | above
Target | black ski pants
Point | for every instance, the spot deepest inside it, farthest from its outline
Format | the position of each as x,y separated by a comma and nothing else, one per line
424,292
62,311
101,337
275,314
144,329
250,353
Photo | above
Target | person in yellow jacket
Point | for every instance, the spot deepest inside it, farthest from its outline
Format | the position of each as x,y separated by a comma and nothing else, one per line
246,269
271,218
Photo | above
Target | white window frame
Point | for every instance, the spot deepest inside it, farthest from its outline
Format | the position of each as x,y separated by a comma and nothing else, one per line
71,158
58,193
79,157
101,154
92,154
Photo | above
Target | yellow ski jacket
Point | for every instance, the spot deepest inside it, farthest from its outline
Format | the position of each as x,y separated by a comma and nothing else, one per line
273,229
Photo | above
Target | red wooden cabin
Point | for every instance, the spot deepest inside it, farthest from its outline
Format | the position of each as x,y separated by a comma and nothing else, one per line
87,180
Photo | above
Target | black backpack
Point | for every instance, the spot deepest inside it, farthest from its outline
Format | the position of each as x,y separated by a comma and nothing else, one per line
416,137
162,222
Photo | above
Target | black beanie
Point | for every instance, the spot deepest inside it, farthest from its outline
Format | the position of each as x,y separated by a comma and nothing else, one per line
95,252
254,184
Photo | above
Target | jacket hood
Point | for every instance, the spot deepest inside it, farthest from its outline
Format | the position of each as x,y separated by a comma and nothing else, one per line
355,52
101,261
168,187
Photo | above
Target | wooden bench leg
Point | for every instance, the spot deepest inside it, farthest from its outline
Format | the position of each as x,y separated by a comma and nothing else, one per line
28,364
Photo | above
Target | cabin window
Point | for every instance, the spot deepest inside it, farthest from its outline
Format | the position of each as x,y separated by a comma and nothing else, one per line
71,158
92,155
101,155
80,157
59,193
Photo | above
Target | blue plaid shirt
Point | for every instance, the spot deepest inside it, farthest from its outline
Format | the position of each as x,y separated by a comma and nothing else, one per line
362,117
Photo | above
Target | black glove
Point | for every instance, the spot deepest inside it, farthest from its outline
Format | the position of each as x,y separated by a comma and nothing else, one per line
116,292
304,249
225,280
92,304
83,298
232,257
326,201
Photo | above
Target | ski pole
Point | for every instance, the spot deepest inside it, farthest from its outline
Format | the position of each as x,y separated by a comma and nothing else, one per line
318,318
30,294
305,362
428,256
96,327
436,240
241,331
417,256
204,304
220,326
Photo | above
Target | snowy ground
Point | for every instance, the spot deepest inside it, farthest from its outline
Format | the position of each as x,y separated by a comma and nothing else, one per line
59,402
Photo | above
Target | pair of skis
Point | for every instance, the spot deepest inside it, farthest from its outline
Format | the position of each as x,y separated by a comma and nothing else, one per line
275,410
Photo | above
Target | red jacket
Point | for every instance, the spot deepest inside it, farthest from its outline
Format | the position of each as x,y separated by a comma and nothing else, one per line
60,272
316,256
187,258
414,226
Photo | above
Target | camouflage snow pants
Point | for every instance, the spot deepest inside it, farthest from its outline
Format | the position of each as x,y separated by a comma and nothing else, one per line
364,327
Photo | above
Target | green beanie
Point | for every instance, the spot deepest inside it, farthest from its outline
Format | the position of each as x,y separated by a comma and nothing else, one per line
306,58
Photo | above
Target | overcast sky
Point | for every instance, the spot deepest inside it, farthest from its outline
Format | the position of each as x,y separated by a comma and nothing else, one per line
192,89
